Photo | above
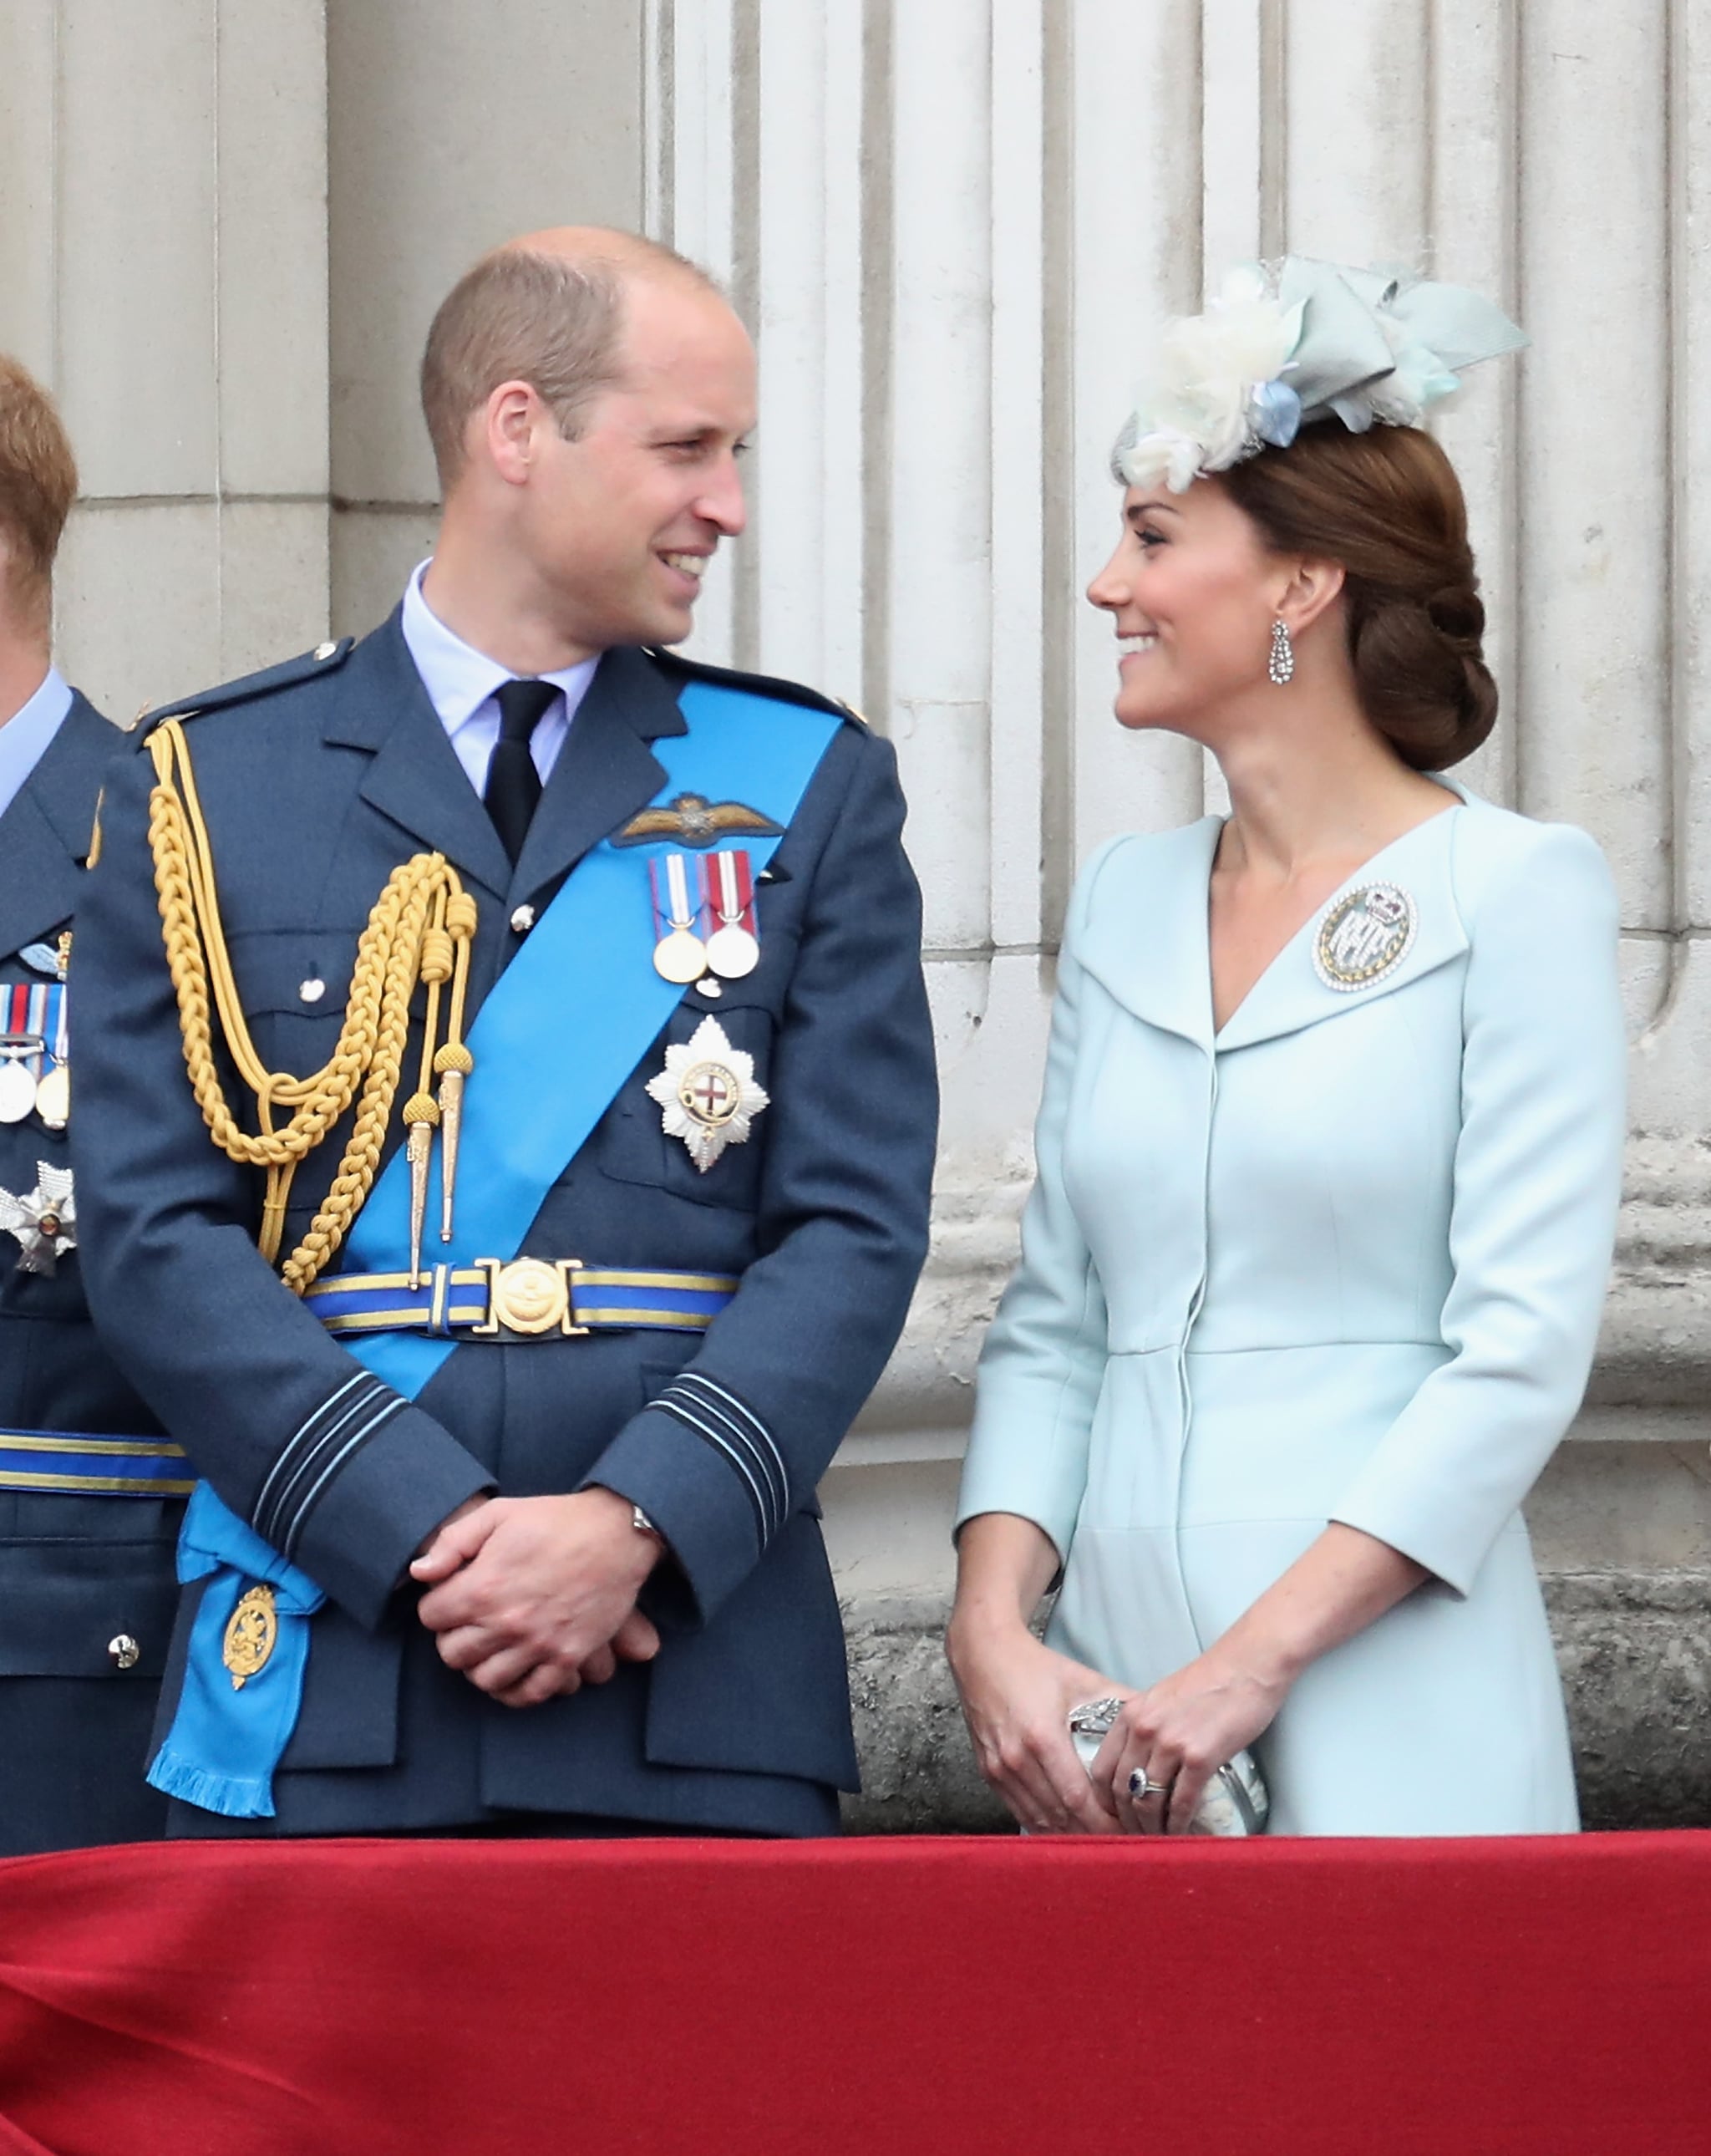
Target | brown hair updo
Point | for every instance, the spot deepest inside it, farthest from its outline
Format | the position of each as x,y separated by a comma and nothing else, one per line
1388,507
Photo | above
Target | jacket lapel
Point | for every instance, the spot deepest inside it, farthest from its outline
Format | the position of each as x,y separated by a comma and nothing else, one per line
414,778
44,834
605,771
1146,935
1289,994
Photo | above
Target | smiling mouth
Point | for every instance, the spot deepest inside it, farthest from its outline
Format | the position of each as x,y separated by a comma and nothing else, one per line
687,565
1127,645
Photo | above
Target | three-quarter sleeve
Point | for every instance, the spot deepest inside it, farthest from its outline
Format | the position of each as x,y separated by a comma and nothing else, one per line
1044,1357
1536,1181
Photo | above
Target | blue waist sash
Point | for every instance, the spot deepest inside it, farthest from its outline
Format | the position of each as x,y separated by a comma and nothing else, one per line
72,1464
518,1135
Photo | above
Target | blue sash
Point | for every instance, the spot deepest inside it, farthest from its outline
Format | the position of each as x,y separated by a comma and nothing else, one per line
518,1135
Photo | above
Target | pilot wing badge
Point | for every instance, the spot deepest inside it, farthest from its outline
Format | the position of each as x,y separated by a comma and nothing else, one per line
691,819
708,1092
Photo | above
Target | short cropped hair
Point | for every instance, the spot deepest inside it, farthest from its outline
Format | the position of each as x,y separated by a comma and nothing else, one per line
519,315
38,480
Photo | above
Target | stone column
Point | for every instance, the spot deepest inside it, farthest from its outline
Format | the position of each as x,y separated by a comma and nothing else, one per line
162,215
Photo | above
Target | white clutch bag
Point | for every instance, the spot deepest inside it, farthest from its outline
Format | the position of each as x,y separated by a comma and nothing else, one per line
1235,1801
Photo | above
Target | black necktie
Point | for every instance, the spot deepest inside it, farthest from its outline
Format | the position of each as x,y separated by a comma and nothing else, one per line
513,783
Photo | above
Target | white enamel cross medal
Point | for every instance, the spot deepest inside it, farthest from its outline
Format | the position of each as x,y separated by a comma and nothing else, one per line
44,1222
707,1092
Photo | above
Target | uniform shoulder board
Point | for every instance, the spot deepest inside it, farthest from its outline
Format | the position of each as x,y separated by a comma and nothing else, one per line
760,684
326,659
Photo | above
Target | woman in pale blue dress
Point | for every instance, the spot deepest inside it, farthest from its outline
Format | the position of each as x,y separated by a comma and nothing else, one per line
1329,1154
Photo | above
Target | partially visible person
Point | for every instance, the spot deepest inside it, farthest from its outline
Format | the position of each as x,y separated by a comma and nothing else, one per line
91,1493
603,968
1330,1149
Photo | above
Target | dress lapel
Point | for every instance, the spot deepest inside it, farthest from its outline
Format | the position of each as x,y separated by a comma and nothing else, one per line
44,834
1289,994
415,777
605,771
1145,936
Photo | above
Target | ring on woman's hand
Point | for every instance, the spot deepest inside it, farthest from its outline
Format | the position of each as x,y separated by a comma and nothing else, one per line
1141,1787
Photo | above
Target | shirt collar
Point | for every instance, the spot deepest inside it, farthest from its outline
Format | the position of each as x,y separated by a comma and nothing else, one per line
26,735
459,679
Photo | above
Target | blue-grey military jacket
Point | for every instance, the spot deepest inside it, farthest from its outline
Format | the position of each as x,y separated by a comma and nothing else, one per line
316,780
79,1573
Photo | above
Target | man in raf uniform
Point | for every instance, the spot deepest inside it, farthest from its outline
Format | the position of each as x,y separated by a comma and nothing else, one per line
90,1493
517,1119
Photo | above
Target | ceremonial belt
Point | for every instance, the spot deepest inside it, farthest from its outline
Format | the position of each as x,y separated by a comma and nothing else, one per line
526,1299
71,1463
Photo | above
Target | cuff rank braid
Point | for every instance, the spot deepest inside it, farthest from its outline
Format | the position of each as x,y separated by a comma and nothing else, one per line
420,929
733,1429
340,1426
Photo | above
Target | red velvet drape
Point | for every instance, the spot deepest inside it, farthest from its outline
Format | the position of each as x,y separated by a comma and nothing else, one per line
876,1998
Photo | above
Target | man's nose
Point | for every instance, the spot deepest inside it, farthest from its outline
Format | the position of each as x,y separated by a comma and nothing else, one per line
722,502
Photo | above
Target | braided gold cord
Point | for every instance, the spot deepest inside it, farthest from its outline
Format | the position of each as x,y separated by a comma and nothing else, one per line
420,928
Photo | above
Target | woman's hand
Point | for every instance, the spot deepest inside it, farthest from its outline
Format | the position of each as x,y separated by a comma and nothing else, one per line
1017,1695
1180,1732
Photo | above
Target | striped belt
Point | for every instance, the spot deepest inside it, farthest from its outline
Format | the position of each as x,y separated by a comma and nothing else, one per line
74,1464
527,1299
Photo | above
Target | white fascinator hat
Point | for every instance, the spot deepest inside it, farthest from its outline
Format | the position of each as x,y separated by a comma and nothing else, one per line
1291,344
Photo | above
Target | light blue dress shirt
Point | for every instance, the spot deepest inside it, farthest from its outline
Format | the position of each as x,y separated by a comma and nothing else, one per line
25,735
461,682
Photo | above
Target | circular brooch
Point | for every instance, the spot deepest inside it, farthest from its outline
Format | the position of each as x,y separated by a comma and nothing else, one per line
1365,935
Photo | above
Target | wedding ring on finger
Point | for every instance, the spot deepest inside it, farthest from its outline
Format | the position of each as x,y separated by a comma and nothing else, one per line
1141,1786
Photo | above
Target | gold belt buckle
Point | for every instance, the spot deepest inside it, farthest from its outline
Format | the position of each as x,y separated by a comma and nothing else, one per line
529,1296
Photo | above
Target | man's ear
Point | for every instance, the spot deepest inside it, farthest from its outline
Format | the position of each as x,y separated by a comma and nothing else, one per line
508,423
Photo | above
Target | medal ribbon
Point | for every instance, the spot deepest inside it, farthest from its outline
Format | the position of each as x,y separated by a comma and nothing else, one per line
734,899
547,1067
673,910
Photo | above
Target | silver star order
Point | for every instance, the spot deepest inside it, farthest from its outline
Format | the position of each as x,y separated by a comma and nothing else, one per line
44,1221
708,1092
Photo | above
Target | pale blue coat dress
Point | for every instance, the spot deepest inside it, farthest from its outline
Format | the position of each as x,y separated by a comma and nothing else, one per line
1344,1261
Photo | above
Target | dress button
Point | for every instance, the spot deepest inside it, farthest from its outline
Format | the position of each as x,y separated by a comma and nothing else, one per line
124,1652
325,650
311,992
523,920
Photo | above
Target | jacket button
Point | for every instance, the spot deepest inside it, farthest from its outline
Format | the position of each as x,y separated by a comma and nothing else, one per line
523,920
311,992
124,1652
325,650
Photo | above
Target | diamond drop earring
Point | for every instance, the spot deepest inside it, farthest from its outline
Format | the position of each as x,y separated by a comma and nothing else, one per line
1281,664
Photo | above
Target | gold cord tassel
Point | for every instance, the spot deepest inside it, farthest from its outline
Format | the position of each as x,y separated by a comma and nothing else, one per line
419,930
420,1117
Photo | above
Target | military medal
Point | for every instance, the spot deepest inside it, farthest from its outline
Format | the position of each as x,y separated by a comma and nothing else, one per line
29,1011
733,950
54,1088
44,1221
53,1097
679,956
707,1092
18,1084
1365,935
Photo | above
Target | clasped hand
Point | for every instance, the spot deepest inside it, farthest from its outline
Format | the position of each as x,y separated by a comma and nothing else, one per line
1017,1695
532,1597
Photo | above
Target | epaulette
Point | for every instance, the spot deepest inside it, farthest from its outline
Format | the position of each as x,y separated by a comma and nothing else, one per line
760,684
326,659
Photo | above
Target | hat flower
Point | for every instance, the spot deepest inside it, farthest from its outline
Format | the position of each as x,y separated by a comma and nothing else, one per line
1289,344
